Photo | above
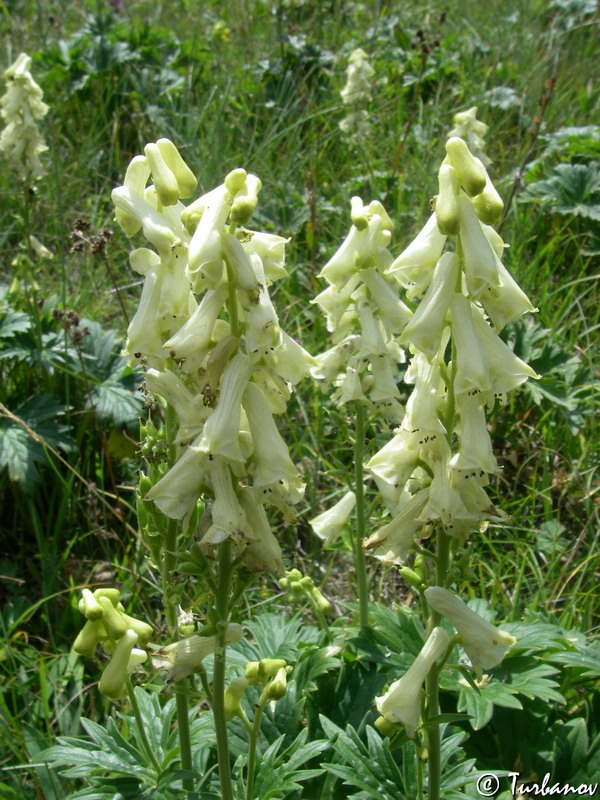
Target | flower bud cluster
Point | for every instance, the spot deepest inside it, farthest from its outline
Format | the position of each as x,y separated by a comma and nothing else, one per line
302,587
271,673
356,93
435,468
209,335
473,131
22,107
364,316
116,632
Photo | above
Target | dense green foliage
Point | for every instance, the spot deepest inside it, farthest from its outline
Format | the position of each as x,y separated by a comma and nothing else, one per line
256,84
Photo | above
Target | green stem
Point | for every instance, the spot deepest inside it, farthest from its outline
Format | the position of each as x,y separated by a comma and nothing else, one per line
252,744
168,566
419,771
434,739
140,725
359,555
200,669
232,308
218,706
320,616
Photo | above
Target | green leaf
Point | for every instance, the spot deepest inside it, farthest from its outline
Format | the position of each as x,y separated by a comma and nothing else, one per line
530,677
584,658
572,189
395,639
114,385
280,773
20,452
13,322
369,767
480,705
503,97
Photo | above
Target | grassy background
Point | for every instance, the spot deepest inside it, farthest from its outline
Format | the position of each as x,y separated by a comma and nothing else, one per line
257,85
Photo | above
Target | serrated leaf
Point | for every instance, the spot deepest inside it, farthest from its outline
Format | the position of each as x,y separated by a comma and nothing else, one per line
113,394
280,773
531,678
585,658
20,452
534,634
369,767
13,322
480,705
572,189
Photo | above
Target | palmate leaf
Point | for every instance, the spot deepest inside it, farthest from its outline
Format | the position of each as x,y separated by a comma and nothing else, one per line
572,189
12,322
524,675
535,633
25,347
114,385
368,767
279,774
20,453
274,636
480,705
395,639
584,658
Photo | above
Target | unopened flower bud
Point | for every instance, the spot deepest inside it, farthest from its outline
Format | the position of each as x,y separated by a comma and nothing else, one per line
143,629
88,638
186,179
246,200
278,686
488,204
165,181
114,620
235,180
268,667
89,606
411,577
471,172
112,682
251,672
446,206
357,214
233,695
385,727
322,602
114,595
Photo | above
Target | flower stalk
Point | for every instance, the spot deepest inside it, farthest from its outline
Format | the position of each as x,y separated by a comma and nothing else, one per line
433,474
220,367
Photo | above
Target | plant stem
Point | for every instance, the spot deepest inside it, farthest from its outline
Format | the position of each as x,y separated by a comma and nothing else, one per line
168,565
218,705
434,739
140,725
419,771
320,616
252,744
359,555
